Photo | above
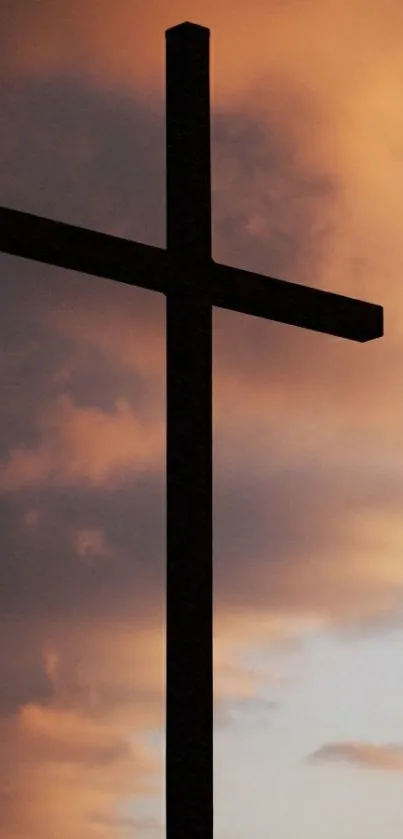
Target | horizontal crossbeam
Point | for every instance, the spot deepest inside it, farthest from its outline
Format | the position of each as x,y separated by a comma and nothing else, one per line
78,249
90,252
295,304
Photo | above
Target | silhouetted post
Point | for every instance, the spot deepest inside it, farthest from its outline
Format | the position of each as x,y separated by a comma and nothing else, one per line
189,684
193,283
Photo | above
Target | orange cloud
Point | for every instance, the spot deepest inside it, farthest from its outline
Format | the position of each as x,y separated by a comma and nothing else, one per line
84,444
69,774
82,755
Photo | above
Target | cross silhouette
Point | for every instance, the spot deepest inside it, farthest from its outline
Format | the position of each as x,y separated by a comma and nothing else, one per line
192,282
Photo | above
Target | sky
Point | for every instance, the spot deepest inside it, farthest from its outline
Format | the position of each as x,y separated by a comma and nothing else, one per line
307,157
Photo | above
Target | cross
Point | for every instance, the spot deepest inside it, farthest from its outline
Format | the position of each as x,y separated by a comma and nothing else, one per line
193,283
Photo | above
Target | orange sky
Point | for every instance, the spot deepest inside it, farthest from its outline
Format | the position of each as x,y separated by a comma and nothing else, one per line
307,162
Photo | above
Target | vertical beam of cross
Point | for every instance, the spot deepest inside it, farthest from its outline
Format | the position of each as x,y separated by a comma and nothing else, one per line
189,644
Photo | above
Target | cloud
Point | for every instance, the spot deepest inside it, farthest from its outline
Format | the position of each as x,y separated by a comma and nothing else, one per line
387,757
306,155
90,545
82,746
260,171
84,444
91,367
87,742
129,823
23,676
251,710
61,796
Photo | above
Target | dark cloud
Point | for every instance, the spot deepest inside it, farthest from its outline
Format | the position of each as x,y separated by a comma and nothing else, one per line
41,572
23,676
267,529
97,159
84,157
38,363
72,153
272,211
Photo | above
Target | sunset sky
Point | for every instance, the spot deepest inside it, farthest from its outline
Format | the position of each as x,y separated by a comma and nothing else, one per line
307,154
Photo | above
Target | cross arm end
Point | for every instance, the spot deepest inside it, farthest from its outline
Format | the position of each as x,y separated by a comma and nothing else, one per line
295,304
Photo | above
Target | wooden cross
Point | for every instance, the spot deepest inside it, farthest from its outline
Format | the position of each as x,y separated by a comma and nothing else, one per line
192,282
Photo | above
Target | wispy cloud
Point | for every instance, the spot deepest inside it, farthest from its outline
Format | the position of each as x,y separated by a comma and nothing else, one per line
386,757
